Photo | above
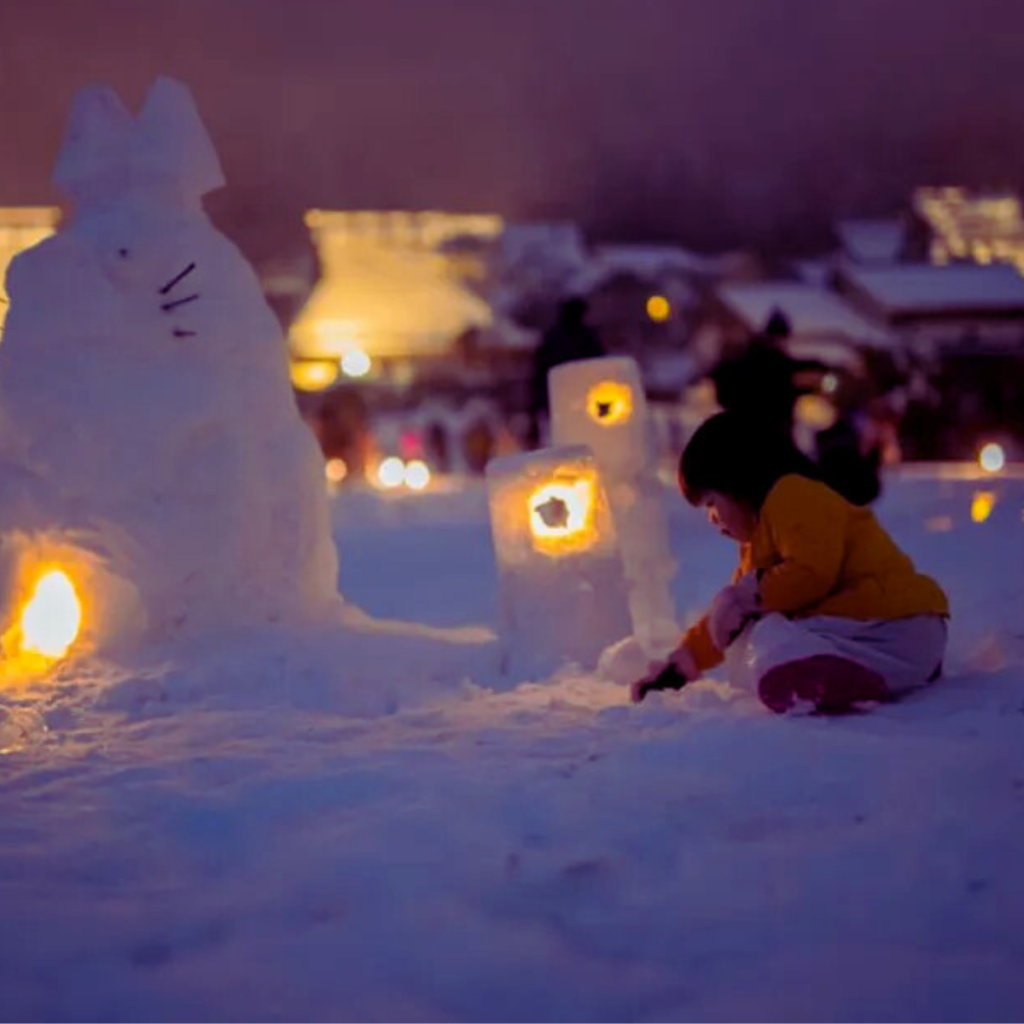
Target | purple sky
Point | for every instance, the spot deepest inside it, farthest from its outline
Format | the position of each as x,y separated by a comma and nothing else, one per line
710,121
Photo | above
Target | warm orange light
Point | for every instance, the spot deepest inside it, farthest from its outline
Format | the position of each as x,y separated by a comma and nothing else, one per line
610,403
335,470
815,411
981,505
20,228
562,516
314,374
51,618
659,309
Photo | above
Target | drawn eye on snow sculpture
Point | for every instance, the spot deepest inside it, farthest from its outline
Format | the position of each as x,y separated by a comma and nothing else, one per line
610,403
563,595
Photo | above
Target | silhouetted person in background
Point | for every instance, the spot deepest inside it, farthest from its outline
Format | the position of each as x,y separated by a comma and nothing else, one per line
568,339
849,462
852,453
759,383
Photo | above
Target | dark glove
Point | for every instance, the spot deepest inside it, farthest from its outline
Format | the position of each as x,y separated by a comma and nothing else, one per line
669,678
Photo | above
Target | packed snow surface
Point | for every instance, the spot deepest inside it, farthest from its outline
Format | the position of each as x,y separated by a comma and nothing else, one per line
369,824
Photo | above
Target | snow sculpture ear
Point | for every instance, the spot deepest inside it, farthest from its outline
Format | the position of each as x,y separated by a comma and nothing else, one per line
91,160
170,144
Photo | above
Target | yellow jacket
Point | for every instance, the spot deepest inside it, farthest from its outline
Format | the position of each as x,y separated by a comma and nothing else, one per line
816,554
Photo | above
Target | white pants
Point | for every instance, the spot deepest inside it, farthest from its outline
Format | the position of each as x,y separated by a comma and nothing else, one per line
906,653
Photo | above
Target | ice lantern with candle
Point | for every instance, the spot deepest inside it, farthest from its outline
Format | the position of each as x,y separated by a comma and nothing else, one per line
600,403
563,595
59,600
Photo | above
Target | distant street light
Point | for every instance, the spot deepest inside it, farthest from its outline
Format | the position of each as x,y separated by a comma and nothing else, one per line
992,458
659,309
355,363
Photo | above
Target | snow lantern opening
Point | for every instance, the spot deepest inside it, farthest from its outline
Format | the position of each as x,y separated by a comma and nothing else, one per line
610,403
45,619
60,600
52,617
562,515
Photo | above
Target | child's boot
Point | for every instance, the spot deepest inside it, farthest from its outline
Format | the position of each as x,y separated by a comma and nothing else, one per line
833,684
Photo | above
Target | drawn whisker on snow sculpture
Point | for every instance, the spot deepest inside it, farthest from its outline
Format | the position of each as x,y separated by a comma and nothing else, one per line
168,306
178,277
180,332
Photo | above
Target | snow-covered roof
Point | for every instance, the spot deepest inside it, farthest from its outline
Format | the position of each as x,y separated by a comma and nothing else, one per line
871,241
562,239
921,288
810,310
643,261
814,272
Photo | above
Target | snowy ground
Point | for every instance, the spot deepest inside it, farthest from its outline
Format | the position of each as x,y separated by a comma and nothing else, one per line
363,827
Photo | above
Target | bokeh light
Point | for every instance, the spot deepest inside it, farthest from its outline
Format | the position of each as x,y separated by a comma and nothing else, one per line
992,458
391,472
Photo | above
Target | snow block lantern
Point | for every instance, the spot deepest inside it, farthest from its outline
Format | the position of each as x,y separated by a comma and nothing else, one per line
155,476
601,403
560,572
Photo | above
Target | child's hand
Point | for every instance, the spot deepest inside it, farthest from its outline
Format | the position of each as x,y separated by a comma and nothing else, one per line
672,674
732,608
748,593
665,678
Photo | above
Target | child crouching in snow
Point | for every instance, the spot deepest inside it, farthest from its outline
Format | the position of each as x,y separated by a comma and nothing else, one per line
824,607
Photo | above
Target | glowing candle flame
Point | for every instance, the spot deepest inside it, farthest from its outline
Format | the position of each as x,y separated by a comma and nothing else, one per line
314,375
561,510
610,403
51,619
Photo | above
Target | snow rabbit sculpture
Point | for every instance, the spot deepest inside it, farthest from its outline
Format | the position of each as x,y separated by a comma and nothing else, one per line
148,433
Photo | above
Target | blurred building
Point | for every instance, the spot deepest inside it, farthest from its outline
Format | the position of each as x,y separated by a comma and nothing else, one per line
20,228
643,300
402,339
822,325
287,281
939,310
957,225
873,243
390,297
